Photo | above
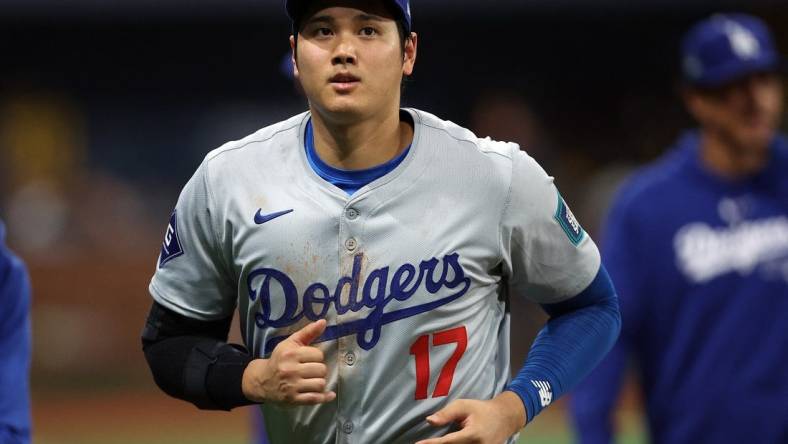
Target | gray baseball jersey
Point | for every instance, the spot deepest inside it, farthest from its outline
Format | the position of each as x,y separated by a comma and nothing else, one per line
411,272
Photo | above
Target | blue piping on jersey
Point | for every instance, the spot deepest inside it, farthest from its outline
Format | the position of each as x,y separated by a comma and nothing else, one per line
348,181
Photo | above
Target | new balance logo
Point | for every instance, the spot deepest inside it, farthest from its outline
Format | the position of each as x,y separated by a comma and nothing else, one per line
545,393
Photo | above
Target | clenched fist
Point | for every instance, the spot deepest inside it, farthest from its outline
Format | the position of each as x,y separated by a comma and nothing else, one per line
294,374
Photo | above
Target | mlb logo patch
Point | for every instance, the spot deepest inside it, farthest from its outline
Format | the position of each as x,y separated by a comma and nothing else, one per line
171,247
568,222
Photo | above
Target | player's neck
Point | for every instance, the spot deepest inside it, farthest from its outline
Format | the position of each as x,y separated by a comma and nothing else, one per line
362,144
726,158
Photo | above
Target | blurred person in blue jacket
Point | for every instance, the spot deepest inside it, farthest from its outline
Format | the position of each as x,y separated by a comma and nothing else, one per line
15,343
697,245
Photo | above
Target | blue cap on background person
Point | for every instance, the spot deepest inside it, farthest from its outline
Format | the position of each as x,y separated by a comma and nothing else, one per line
295,8
727,47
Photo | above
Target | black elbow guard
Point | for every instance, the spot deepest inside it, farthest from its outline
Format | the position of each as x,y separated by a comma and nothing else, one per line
190,360
213,375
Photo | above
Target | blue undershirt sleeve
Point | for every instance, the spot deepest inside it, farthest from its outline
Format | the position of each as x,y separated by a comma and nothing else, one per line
580,331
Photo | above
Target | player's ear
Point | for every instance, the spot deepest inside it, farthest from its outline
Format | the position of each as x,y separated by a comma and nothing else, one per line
293,57
411,49
695,103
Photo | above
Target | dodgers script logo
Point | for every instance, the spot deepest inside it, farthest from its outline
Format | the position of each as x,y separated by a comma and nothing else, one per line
373,295
704,252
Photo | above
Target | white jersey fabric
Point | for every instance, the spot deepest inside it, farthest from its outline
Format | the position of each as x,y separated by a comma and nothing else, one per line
411,272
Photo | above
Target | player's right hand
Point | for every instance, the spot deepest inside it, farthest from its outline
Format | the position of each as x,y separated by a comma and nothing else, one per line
294,374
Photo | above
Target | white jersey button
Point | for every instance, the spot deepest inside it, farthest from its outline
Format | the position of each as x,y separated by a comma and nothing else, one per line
350,358
347,427
351,213
351,244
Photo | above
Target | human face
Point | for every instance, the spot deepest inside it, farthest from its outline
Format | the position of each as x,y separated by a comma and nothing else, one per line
745,114
350,60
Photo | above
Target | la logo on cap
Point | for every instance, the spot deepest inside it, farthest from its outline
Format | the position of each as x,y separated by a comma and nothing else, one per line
743,43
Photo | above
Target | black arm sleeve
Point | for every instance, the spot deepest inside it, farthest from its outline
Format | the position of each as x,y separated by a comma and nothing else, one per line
191,359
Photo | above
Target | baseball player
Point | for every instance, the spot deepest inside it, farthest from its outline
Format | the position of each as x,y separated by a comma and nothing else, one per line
370,251
697,243
15,343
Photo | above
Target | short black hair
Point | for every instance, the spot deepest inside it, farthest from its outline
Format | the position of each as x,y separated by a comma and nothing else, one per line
299,9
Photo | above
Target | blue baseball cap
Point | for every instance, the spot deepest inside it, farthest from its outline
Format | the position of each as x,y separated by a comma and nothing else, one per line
727,47
295,8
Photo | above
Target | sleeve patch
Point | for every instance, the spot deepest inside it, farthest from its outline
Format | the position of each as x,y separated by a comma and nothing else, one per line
568,222
171,247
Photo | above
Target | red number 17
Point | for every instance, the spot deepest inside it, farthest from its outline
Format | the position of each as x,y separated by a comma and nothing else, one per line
421,350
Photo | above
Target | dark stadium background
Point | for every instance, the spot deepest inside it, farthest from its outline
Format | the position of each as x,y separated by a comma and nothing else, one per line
107,107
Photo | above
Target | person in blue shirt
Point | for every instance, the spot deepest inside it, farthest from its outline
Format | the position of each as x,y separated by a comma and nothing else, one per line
697,245
15,343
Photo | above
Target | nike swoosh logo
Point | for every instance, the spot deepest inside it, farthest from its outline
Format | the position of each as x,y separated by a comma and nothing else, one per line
261,218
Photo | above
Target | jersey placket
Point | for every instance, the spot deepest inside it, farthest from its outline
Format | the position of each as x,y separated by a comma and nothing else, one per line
349,365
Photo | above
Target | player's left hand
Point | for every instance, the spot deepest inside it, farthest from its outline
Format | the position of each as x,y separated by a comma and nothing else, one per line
481,422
